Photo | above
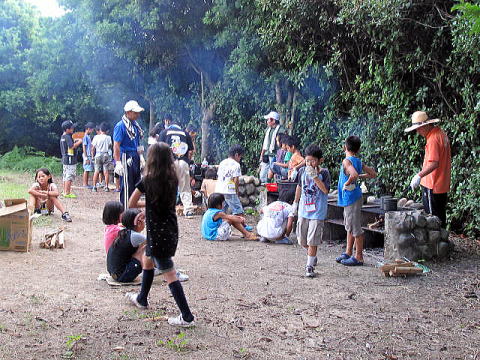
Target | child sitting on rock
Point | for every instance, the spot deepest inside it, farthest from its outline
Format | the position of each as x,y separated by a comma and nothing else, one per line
216,225
277,222
44,195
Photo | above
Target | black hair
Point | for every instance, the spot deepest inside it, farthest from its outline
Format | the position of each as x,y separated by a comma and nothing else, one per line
104,127
291,141
211,173
190,128
314,150
168,117
46,172
215,200
128,222
352,143
287,196
281,138
160,179
111,212
156,129
236,149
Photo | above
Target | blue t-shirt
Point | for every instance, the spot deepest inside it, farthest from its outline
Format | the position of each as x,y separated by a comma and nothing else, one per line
210,226
313,202
126,144
346,197
88,145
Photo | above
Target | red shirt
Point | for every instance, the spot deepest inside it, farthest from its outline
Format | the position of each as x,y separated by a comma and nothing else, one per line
437,149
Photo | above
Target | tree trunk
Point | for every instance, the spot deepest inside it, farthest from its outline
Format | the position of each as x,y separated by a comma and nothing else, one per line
291,124
279,99
152,116
207,117
288,102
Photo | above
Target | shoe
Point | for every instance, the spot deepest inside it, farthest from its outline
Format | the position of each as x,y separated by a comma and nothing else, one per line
87,187
344,256
284,241
178,321
248,228
116,190
106,189
66,217
182,277
132,297
351,261
94,189
189,215
70,196
309,271
264,240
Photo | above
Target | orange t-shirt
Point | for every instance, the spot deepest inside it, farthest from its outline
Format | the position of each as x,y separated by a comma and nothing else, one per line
438,149
296,159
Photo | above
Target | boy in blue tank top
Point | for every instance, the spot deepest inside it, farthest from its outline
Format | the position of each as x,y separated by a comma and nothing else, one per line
350,197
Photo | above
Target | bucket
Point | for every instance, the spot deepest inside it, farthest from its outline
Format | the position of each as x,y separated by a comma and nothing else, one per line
272,187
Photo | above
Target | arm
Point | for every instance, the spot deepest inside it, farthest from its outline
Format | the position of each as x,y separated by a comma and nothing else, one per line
92,154
53,192
116,150
137,239
299,165
77,143
369,173
432,165
289,227
37,193
320,184
134,201
350,170
298,192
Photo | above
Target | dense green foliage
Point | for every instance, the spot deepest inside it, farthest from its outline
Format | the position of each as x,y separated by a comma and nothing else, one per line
331,68
29,160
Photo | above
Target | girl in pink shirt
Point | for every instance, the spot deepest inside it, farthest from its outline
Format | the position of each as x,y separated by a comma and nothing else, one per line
112,213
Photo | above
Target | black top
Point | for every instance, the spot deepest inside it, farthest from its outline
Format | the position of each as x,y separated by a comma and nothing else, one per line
174,135
66,143
162,227
120,253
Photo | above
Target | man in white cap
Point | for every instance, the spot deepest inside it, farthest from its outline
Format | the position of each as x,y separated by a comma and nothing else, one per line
127,150
434,177
269,147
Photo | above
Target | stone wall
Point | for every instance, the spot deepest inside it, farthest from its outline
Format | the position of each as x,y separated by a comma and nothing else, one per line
249,190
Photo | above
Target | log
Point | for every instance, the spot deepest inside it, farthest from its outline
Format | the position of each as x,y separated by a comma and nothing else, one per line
61,240
404,270
388,267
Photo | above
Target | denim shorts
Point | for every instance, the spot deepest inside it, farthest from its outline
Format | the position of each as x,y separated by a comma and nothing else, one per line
132,270
163,265
233,202
87,167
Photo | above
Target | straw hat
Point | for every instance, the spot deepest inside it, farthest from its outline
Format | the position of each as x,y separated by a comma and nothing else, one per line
419,119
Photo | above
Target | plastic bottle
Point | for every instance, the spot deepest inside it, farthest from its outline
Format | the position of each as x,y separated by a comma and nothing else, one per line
204,163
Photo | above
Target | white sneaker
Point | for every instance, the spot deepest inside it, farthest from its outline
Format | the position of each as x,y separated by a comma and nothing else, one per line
132,297
182,277
309,271
178,321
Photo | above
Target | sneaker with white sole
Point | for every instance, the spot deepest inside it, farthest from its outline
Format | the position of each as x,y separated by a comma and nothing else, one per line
132,297
189,215
182,277
309,271
178,321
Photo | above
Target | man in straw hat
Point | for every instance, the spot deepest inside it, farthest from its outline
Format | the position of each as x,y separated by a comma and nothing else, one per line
434,177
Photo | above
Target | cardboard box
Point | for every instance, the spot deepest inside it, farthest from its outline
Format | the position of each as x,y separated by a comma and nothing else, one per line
15,226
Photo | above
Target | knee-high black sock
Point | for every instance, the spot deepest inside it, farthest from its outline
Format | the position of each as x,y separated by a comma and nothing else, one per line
147,279
179,296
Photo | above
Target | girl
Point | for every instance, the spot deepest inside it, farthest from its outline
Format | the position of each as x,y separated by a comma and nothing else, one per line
216,225
160,185
44,195
112,213
126,256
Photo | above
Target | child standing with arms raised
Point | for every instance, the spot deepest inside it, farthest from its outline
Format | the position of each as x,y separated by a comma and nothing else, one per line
350,197
311,200
160,185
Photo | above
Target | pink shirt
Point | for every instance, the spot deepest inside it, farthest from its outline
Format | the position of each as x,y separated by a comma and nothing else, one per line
110,234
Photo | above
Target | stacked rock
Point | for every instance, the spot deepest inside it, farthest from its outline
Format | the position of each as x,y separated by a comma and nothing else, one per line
249,189
415,235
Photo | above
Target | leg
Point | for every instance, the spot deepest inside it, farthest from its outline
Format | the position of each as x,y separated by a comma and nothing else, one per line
239,225
68,186
95,178
147,274
439,207
183,173
33,203
56,202
107,178
85,178
359,240
350,242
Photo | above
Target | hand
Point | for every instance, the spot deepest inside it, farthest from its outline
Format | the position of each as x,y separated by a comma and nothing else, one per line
142,162
119,169
415,182
293,175
295,209
87,162
350,187
311,171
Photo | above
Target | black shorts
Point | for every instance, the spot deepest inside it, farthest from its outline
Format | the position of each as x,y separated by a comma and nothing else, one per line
132,270
163,265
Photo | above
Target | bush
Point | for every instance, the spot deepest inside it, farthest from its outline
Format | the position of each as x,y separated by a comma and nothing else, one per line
28,160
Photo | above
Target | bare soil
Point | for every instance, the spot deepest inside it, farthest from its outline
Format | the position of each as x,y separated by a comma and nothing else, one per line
251,301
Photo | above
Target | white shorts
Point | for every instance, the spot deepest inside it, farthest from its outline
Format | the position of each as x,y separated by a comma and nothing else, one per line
309,232
69,172
224,231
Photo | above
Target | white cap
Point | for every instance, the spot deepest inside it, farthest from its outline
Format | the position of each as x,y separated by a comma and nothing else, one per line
132,105
272,115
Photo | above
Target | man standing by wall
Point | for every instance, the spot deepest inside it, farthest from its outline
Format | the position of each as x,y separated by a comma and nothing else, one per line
269,147
127,151
434,177
181,143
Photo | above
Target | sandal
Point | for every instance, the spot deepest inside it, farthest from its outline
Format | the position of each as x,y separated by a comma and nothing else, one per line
344,256
351,261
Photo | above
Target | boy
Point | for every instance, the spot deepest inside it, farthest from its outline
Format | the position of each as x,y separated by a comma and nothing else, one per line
280,166
208,184
101,152
296,161
277,221
69,159
350,197
311,197
227,183
87,151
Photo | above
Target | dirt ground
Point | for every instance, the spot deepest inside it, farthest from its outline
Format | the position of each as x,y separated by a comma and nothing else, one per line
250,299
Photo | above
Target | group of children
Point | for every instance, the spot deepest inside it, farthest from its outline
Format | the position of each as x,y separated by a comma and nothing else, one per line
309,204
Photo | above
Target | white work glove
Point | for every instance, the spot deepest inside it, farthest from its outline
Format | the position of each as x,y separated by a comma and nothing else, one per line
295,209
415,182
142,162
350,187
197,194
311,171
293,175
119,169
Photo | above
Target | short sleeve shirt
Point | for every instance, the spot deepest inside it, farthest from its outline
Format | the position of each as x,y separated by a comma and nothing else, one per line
438,149
162,227
87,141
68,152
102,144
228,170
274,220
120,135
313,202
296,159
